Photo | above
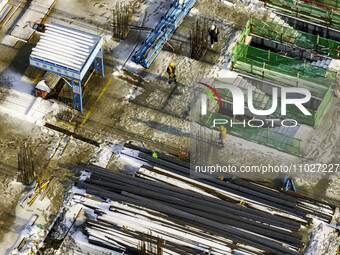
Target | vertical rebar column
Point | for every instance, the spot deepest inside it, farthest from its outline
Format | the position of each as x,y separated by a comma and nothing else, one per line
199,39
121,21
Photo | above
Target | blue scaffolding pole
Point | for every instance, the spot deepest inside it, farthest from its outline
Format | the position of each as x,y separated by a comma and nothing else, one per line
71,56
161,34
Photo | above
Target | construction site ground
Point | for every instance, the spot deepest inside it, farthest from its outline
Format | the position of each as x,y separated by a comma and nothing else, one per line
135,104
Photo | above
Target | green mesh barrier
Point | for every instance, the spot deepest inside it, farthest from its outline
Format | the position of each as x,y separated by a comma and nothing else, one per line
302,9
245,32
282,69
259,135
288,35
262,101
322,107
332,3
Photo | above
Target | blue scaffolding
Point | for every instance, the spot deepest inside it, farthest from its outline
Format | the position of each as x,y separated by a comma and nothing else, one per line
70,53
159,36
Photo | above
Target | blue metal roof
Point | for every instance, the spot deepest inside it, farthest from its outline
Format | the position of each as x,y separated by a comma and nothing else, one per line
65,47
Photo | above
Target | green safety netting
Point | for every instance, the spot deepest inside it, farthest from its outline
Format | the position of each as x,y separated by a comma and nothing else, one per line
322,107
245,32
261,101
260,135
283,69
305,10
333,3
285,34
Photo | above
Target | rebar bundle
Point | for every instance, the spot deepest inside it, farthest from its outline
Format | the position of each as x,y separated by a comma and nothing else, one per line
162,198
25,165
199,39
120,21
149,246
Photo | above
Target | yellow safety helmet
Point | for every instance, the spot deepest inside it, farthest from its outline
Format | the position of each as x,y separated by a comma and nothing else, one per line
172,64
221,127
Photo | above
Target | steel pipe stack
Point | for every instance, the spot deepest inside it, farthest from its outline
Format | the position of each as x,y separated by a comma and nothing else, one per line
169,202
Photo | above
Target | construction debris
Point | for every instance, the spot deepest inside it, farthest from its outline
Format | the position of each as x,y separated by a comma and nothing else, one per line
30,238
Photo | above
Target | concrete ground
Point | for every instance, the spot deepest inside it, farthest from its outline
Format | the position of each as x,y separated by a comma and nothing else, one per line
14,134
137,104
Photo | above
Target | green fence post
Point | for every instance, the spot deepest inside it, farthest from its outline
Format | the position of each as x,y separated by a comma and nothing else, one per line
264,66
331,18
268,55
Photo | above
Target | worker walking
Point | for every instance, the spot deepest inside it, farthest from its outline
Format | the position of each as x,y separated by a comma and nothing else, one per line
172,73
223,135
213,33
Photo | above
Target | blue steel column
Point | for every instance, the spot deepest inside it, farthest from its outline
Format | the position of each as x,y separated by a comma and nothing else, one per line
77,97
101,61
95,65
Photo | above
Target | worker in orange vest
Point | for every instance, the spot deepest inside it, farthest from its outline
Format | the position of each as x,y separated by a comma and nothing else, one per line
223,135
172,73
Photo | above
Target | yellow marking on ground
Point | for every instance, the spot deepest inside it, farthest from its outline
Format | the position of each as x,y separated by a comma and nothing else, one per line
98,98
65,124
29,39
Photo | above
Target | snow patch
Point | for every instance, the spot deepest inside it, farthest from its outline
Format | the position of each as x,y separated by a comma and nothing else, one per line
324,240
101,156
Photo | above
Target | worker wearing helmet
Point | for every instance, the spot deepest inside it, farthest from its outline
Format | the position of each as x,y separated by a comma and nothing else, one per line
223,135
172,73
213,33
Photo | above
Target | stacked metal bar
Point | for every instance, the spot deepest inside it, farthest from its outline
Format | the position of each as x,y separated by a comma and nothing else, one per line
162,32
259,195
168,200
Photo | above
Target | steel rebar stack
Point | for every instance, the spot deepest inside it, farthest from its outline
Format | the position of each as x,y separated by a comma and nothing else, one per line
121,21
199,39
26,165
